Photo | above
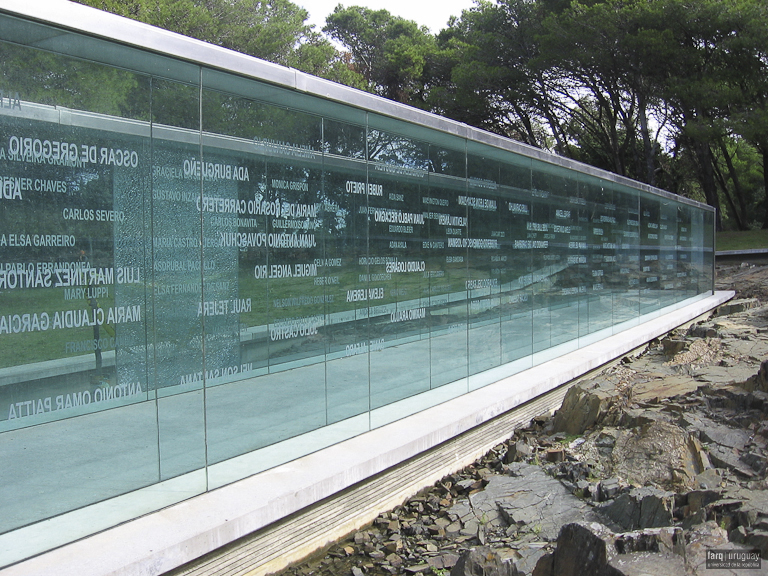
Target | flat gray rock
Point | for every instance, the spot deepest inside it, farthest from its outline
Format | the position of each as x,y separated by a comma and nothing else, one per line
641,508
532,501
483,561
711,431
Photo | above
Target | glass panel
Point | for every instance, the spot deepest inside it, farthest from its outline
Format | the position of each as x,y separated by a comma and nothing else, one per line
555,312
706,235
263,309
73,311
515,259
177,275
344,140
601,228
701,260
447,157
626,283
650,271
95,50
398,289
668,253
685,281
447,262
281,97
579,284
347,272
485,232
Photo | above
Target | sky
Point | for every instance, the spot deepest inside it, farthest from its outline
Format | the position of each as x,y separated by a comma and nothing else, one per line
433,14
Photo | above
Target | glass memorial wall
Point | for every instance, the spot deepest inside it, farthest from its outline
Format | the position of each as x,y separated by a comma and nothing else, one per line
196,266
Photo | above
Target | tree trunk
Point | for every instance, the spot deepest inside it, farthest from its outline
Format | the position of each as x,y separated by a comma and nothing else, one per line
764,149
707,180
650,167
737,189
740,223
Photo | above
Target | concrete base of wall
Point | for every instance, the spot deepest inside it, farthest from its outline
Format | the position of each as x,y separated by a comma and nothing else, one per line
264,522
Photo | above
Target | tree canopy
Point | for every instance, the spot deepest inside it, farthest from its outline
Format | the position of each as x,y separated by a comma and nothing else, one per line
669,92
663,91
390,52
273,30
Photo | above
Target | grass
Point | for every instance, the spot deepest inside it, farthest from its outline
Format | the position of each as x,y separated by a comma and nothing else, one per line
37,346
748,240
30,347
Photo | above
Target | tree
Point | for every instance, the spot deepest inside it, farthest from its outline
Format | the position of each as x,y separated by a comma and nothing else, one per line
189,17
658,90
483,73
737,172
654,90
318,57
748,73
389,52
612,60
273,30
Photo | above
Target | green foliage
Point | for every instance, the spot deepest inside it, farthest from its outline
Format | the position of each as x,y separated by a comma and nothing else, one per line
670,92
484,74
58,80
653,90
389,52
273,30
317,56
269,30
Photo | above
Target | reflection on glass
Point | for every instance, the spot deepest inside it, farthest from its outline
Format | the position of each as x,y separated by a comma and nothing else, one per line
557,233
347,271
601,220
514,259
74,310
626,291
650,263
447,260
486,234
197,266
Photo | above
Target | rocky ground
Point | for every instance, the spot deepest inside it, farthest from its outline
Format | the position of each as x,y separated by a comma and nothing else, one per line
645,467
